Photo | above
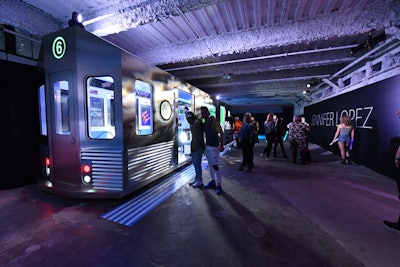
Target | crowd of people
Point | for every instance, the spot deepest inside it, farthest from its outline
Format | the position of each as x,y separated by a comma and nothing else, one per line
275,131
245,135
298,131
208,137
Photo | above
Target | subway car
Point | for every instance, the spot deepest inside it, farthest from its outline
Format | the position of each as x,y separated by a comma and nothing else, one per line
110,123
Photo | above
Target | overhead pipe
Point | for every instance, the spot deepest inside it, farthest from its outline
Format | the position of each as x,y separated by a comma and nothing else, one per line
20,35
264,57
321,76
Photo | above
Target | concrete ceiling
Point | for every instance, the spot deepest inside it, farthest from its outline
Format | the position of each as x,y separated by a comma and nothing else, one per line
255,54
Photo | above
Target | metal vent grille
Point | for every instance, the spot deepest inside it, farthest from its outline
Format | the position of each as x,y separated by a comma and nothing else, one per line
107,168
146,163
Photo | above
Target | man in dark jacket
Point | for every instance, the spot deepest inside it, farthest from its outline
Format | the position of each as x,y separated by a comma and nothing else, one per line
197,146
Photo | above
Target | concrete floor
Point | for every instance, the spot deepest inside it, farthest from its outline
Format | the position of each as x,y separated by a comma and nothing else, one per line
281,214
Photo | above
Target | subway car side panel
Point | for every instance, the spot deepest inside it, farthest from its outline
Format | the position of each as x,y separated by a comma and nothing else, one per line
149,139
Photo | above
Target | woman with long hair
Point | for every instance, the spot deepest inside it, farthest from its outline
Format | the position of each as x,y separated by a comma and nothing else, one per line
269,130
345,137
280,132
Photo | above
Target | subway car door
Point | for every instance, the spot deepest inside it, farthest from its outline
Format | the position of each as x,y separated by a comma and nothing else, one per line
63,143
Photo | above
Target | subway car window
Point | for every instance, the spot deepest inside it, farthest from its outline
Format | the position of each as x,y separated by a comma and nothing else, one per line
42,111
61,95
100,107
144,108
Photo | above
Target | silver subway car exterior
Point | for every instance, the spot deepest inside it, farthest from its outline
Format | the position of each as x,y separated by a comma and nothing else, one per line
110,123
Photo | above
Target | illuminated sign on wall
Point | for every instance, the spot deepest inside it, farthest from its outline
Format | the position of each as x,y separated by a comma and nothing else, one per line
359,116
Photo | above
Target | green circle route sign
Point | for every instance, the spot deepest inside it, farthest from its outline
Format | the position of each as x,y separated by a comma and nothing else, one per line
59,47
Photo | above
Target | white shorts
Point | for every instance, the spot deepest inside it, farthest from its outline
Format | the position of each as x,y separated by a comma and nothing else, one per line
212,153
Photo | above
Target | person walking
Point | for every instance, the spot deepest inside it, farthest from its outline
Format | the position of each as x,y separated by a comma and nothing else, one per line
197,146
214,145
345,137
280,131
246,138
256,129
298,139
308,152
237,124
269,130
395,225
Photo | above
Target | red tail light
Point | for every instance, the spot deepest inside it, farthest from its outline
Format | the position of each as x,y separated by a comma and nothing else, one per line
86,168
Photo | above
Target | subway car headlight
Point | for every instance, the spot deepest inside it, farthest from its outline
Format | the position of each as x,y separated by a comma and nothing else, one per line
87,179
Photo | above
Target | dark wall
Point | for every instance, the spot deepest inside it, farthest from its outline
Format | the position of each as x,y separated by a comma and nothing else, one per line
19,124
373,110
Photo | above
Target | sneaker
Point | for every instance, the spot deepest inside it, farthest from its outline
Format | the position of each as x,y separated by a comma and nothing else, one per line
218,190
211,184
197,184
392,226
192,182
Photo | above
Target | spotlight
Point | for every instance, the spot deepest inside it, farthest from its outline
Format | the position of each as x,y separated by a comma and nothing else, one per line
227,76
313,83
76,19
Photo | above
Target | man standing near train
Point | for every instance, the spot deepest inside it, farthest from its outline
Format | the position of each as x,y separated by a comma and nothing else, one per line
196,146
214,145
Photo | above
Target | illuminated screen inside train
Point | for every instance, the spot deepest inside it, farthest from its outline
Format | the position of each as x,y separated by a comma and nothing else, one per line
100,107
144,108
